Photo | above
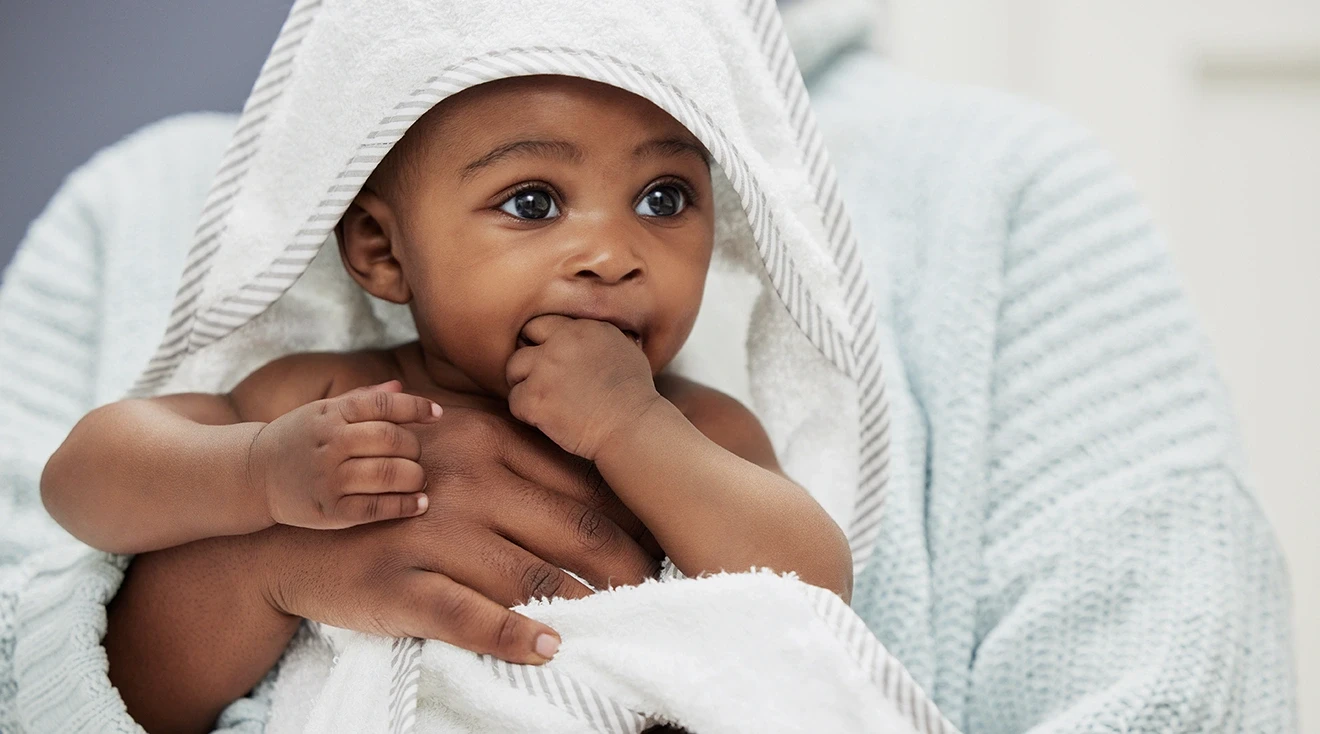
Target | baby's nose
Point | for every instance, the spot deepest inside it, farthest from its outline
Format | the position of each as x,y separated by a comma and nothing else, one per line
609,264
608,274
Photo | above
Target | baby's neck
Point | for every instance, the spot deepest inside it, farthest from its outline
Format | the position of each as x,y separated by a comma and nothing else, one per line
432,377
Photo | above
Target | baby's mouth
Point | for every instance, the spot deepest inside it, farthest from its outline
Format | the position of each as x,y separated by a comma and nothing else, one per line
523,341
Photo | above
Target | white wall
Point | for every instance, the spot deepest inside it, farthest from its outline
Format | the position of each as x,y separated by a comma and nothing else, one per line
1214,108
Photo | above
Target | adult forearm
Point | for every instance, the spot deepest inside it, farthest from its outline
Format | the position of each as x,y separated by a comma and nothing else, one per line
191,631
734,514
137,476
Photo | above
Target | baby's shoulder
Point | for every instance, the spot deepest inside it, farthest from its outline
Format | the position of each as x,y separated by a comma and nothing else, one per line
698,401
298,379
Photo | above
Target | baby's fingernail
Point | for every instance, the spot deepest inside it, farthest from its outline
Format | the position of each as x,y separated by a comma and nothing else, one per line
422,503
436,410
547,645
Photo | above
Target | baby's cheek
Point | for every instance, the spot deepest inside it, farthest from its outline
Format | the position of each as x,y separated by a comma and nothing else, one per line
470,342
671,340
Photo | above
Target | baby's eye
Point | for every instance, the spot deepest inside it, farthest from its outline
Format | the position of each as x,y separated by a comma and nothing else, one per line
662,201
531,204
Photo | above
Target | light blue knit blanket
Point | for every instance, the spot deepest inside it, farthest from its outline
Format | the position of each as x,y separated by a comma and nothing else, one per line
1069,546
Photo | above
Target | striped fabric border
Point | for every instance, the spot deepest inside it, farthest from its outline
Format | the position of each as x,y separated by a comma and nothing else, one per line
405,680
185,327
253,298
607,716
873,469
584,703
883,669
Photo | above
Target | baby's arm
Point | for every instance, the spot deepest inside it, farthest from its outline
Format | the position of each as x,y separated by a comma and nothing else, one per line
712,493
699,470
140,475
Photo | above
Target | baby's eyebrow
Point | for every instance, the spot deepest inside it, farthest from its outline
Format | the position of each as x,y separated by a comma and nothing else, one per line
671,146
560,149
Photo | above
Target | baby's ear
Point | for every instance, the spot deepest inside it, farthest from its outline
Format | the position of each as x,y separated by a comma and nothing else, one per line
368,234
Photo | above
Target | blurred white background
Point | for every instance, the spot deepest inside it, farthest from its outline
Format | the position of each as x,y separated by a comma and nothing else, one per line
1214,108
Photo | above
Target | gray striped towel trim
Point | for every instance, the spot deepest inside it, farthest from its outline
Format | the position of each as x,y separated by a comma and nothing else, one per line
883,669
874,460
582,702
405,678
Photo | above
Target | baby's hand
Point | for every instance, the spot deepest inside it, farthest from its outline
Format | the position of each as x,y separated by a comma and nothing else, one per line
579,382
343,461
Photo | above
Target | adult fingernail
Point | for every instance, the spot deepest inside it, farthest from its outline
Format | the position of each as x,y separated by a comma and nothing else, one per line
547,646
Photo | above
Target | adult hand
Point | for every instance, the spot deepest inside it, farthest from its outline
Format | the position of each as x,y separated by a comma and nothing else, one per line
508,510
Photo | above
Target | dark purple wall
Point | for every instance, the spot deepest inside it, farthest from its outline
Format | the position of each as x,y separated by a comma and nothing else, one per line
77,75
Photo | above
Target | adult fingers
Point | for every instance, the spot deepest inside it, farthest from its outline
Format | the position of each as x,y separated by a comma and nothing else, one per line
540,328
506,573
574,536
358,509
439,608
539,461
382,403
380,474
380,438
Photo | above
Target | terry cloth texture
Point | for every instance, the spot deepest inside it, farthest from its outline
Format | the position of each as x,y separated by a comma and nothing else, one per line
1069,543
769,654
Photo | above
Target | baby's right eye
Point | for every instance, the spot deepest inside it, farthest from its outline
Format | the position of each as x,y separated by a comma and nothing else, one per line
531,204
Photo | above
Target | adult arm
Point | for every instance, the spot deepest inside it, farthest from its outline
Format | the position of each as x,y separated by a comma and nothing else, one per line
1132,581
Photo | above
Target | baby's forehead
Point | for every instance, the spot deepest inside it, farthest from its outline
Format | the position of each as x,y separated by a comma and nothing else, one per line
537,117
550,116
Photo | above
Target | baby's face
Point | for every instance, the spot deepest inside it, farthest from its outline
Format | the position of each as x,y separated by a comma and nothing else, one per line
552,195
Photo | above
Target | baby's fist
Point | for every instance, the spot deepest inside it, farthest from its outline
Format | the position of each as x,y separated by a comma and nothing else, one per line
343,461
579,383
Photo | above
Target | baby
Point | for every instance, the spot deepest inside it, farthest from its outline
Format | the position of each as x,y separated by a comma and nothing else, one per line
551,237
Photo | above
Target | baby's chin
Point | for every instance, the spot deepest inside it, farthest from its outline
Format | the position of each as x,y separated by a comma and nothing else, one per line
659,362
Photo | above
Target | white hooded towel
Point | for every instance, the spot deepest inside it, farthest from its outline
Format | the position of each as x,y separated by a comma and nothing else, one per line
788,323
